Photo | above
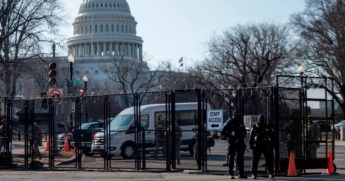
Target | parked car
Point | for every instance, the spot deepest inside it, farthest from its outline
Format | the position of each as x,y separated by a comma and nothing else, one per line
85,135
340,124
61,139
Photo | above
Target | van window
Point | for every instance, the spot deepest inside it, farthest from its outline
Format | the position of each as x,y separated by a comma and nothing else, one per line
121,122
144,121
186,118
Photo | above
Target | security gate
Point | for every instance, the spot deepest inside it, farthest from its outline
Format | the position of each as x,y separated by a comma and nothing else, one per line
139,144
304,103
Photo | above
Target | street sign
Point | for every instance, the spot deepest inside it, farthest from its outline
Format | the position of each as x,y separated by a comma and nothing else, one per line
55,94
215,120
77,82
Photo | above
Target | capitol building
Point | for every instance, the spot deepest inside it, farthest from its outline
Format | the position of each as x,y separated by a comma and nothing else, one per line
104,46
104,29
104,32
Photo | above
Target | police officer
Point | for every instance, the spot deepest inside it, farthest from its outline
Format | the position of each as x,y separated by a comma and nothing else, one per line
261,142
235,131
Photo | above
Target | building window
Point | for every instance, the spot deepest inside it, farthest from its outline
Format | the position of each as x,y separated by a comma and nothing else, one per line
90,28
95,28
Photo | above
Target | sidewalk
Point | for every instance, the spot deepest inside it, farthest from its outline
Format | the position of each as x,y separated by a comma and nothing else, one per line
339,143
139,176
61,157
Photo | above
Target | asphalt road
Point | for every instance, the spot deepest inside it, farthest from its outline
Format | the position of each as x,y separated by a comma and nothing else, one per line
137,176
123,170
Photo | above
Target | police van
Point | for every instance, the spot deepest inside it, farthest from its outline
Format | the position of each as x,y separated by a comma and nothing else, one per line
122,129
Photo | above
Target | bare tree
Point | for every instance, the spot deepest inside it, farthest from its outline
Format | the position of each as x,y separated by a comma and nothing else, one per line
23,28
246,56
132,76
322,28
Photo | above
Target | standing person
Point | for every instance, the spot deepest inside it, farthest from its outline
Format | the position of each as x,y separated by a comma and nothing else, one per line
313,138
2,135
178,136
196,152
235,131
261,142
160,135
36,140
226,149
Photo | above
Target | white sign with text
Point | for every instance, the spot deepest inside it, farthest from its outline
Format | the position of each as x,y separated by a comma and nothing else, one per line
215,120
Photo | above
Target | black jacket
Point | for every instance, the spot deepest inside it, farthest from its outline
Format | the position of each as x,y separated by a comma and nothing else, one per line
235,131
261,136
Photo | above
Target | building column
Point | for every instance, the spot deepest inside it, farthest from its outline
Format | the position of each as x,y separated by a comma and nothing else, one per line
112,48
136,51
128,50
92,49
104,48
116,49
98,52
140,52
131,50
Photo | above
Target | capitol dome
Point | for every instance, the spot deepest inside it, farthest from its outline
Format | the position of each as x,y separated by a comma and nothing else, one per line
105,28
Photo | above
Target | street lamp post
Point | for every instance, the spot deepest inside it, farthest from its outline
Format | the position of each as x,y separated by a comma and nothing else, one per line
85,79
71,61
301,70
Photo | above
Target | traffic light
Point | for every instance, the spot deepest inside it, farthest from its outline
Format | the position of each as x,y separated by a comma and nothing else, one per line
52,73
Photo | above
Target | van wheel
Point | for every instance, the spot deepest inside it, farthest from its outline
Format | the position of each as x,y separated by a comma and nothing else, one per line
128,150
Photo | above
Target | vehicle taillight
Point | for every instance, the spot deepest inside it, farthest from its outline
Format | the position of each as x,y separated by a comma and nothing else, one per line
93,134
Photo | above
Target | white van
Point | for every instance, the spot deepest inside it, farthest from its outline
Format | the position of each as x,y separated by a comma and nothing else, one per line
122,139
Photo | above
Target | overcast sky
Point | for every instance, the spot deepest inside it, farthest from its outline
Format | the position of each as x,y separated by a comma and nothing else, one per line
180,28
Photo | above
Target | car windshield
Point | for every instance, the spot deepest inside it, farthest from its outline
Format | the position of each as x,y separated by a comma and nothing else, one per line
121,122
86,125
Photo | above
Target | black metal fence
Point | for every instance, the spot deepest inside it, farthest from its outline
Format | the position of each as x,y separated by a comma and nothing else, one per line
165,131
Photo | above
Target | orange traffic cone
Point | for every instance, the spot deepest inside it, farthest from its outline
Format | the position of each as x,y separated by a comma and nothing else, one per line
66,144
330,162
47,144
292,172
